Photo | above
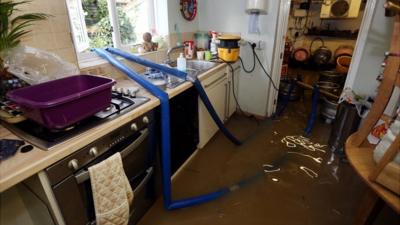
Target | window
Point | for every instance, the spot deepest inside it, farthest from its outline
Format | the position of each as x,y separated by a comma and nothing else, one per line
104,23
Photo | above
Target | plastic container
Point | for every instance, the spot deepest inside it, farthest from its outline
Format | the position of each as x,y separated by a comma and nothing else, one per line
181,63
60,103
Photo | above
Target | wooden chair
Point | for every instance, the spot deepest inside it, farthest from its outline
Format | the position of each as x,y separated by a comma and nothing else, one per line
360,152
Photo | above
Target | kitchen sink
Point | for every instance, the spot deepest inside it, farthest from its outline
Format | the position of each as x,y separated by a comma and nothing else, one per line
193,68
198,66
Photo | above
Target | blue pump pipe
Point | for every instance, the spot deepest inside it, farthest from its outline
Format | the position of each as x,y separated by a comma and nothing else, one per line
182,75
165,139
314,111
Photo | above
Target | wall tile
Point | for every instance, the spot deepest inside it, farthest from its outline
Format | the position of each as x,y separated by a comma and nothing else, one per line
63,40
67,54
41,27
161,56
57,7
60,24
44,41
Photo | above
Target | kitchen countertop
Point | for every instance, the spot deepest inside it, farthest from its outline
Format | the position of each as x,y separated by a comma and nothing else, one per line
23,165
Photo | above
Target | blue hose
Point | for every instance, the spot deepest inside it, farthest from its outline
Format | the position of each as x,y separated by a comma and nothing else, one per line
148,63
314,111
165,139
183,75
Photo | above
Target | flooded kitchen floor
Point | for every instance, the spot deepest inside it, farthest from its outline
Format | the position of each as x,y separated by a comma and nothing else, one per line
306,190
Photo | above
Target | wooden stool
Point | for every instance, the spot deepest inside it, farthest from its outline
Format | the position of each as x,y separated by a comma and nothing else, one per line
360,152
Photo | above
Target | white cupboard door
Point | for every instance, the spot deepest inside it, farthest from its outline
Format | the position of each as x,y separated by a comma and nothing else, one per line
217,94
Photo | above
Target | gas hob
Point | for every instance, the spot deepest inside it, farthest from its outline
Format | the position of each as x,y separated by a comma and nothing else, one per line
123,100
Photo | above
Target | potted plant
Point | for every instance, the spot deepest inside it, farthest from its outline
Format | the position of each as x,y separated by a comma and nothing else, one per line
13,26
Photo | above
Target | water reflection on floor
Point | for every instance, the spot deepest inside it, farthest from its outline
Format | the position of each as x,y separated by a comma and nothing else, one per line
312,185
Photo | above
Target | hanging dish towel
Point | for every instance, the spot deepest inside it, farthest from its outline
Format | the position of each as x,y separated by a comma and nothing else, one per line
112,193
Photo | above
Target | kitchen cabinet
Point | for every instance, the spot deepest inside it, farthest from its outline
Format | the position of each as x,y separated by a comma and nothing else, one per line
233,84
185,127
219,88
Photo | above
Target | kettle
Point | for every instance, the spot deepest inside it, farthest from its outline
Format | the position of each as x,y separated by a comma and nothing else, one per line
322,55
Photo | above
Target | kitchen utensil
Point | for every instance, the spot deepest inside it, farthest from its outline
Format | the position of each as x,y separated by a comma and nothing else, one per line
343,50
189,49
200,55
343,64
300,55
162,84
322,55
228,48
9,147
207,55
60,103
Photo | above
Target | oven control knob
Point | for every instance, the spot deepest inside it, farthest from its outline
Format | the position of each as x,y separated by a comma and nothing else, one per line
145,120
93,151
134,127
73,164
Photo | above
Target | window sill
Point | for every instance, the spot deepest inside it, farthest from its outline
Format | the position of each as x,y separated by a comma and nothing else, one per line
94,60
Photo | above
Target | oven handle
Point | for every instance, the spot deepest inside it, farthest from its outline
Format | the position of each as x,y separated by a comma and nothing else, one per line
84,176
149,173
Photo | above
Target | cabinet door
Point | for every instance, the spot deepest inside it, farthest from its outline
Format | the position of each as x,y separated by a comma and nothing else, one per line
216,91
232,90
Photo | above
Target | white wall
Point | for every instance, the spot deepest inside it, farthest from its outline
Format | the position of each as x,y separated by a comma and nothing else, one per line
230,16
362,79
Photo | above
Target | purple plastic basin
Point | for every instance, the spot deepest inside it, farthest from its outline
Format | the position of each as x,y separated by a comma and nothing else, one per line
60,103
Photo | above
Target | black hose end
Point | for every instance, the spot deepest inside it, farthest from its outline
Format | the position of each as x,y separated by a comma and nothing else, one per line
253,45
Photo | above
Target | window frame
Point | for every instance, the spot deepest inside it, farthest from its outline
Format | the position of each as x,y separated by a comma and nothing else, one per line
87,58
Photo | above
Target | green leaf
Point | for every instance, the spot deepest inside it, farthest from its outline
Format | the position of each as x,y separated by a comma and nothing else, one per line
30,17
13,29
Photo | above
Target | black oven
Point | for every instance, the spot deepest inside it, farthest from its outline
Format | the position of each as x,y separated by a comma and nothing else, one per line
70,181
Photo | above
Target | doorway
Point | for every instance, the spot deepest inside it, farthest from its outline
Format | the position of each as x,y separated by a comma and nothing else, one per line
316,42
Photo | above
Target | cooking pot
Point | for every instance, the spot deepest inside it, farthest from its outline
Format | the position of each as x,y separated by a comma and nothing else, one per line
322,55
300,55
346,50
228,48
343,64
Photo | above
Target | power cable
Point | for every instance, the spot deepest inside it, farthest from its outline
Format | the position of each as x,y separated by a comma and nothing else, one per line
255,56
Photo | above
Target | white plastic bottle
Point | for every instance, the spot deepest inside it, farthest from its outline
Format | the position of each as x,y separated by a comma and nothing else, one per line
181,63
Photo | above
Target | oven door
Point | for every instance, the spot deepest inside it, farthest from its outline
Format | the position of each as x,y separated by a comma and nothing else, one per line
74,194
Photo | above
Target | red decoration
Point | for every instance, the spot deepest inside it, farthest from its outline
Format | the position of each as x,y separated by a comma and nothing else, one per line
189,9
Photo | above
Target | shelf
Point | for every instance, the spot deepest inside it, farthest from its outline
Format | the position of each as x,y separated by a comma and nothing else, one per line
332,36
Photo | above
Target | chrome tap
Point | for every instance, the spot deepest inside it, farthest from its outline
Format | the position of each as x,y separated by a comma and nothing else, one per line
169,51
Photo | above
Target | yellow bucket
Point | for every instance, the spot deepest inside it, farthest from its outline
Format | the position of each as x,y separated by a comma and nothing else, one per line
229,54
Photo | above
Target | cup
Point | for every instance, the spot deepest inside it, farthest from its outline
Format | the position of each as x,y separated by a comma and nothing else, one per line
207,55
200,55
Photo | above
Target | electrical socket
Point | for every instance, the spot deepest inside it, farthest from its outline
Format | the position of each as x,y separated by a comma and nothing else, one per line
261,45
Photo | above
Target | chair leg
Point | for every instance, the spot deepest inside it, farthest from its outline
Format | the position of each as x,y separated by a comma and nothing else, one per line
370,206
